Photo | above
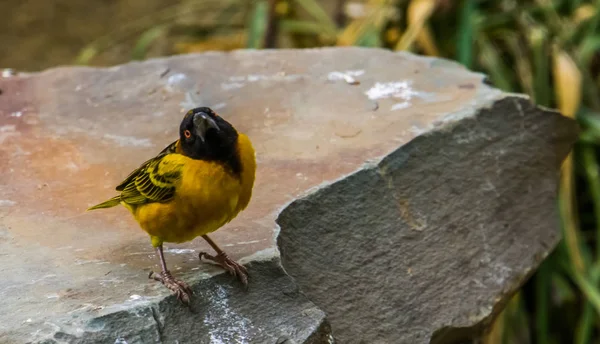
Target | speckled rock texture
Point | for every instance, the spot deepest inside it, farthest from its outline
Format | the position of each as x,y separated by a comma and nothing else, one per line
398,199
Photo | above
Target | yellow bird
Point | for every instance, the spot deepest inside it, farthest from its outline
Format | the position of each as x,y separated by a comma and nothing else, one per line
191,188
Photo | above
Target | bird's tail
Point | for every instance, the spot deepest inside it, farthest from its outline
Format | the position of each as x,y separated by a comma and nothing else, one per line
107,204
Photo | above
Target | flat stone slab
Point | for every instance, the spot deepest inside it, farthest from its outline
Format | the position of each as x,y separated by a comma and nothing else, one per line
398,186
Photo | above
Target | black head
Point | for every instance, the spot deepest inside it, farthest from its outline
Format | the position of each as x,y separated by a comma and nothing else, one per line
205,135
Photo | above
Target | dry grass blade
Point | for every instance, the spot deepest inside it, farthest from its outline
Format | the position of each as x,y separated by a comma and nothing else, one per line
567,88
496,331
584,13
567,82
368,27
351,33
419,11
427,42
225,42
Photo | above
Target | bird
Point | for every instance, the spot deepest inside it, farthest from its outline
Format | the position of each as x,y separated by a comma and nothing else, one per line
194,186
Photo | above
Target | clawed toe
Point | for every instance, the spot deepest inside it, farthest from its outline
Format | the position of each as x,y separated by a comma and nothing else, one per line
179,288
233,267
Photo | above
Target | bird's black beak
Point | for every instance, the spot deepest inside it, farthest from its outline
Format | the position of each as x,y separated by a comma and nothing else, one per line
203,122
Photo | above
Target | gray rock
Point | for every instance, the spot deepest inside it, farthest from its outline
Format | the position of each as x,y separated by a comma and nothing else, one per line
224,314
398,199
435,235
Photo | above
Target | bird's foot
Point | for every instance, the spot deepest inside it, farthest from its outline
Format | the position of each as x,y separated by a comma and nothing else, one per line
233,267
181,290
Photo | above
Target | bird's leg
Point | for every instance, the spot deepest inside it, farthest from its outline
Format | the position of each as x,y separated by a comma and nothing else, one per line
227,263
181,290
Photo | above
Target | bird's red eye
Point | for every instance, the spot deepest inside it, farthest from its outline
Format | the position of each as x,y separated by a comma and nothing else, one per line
187,134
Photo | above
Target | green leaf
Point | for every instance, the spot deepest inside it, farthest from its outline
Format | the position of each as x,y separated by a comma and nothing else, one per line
300,26
593,23
370,38
589,118
592,171
542,300
316,11
146,39
86,55
465,33
258,25
585,327
541,65
583,332
587,49
500,74
588,288
563,290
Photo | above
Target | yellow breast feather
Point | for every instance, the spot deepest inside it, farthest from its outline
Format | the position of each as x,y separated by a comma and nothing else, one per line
248,158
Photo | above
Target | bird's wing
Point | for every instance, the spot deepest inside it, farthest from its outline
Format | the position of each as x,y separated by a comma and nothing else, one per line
168,150
172,148
154,181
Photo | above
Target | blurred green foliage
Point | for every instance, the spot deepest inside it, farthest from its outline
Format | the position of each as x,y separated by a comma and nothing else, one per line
548,49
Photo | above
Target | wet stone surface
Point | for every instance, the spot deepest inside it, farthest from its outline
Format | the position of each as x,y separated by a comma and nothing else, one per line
406,196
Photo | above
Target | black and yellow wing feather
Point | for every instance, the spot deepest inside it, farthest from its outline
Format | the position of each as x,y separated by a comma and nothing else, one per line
154,181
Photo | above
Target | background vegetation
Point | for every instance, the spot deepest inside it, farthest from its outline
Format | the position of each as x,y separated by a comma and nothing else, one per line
548,49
